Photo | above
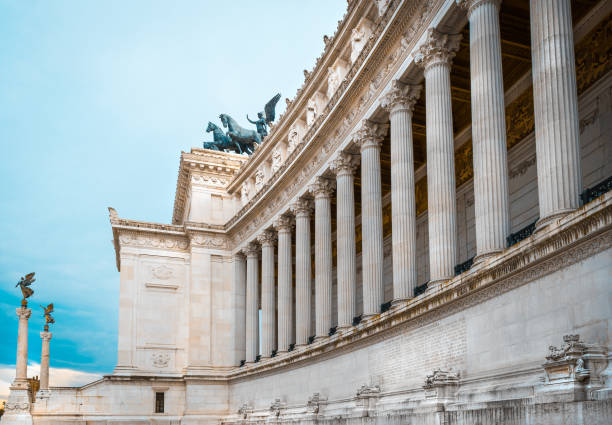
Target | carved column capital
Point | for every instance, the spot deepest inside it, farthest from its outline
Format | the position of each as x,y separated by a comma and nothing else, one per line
24,313
284,224
438,49
370,135
251,250
471,5
46,336
302,207
345,164
401,96
267,238
322,187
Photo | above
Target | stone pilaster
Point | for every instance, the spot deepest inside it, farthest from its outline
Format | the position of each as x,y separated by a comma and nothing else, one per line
492,211
303,291
268,293
435,57
344,166
556,108
252,302
400,104
239,291
369,138
44,360
322,190
283,226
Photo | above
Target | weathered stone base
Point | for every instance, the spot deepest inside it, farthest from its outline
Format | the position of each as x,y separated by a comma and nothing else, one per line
17,408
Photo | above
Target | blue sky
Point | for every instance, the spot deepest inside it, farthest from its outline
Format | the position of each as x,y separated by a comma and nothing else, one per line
97,99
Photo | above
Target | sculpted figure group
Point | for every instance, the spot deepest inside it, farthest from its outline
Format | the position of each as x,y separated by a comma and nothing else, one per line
238,139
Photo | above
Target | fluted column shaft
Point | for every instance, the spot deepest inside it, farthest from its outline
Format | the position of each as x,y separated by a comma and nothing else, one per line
240,306
44,360
21,375
252,304
285,287
400,102
369,138
268,294
303,297
556,108
436,57
346,267
492,214
321,190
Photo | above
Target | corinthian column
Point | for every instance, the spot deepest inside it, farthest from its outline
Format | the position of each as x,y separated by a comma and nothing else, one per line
435,57
239,306
44,360
268,292
369,138
252,302
400,103
303,293
21,375
556,108
322,190
283,226
344,166
492,213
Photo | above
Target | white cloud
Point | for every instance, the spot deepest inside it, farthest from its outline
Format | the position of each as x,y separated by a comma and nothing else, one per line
58,377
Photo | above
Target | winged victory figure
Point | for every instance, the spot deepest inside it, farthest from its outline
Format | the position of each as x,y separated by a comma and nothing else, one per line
48,318
24,284
266,117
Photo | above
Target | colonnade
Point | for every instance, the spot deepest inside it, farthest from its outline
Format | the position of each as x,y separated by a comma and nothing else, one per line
558,167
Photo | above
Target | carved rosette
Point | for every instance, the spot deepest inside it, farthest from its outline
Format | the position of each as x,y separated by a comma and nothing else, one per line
370,135
321,188
438,49
302,207
401,97
267,238
471,5
284,224
345,164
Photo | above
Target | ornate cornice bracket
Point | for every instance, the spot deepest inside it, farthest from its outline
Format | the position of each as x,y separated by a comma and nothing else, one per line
401,97
438,49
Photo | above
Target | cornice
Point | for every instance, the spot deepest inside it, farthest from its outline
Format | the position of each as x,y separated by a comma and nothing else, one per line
297,106
203,166
394,37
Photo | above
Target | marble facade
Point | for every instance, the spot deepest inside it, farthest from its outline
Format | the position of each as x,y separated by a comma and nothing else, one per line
376,259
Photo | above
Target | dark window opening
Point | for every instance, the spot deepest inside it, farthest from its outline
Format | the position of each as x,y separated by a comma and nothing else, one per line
159,402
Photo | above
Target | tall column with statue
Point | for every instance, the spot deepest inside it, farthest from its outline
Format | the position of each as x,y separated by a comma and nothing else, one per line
44,354
17,407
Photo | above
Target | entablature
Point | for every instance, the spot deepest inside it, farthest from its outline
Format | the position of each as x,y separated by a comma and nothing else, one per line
394,37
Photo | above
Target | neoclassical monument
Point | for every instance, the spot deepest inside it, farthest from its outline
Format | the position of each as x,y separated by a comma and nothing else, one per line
424,237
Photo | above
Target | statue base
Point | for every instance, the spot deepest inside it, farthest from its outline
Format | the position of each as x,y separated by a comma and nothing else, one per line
17,407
